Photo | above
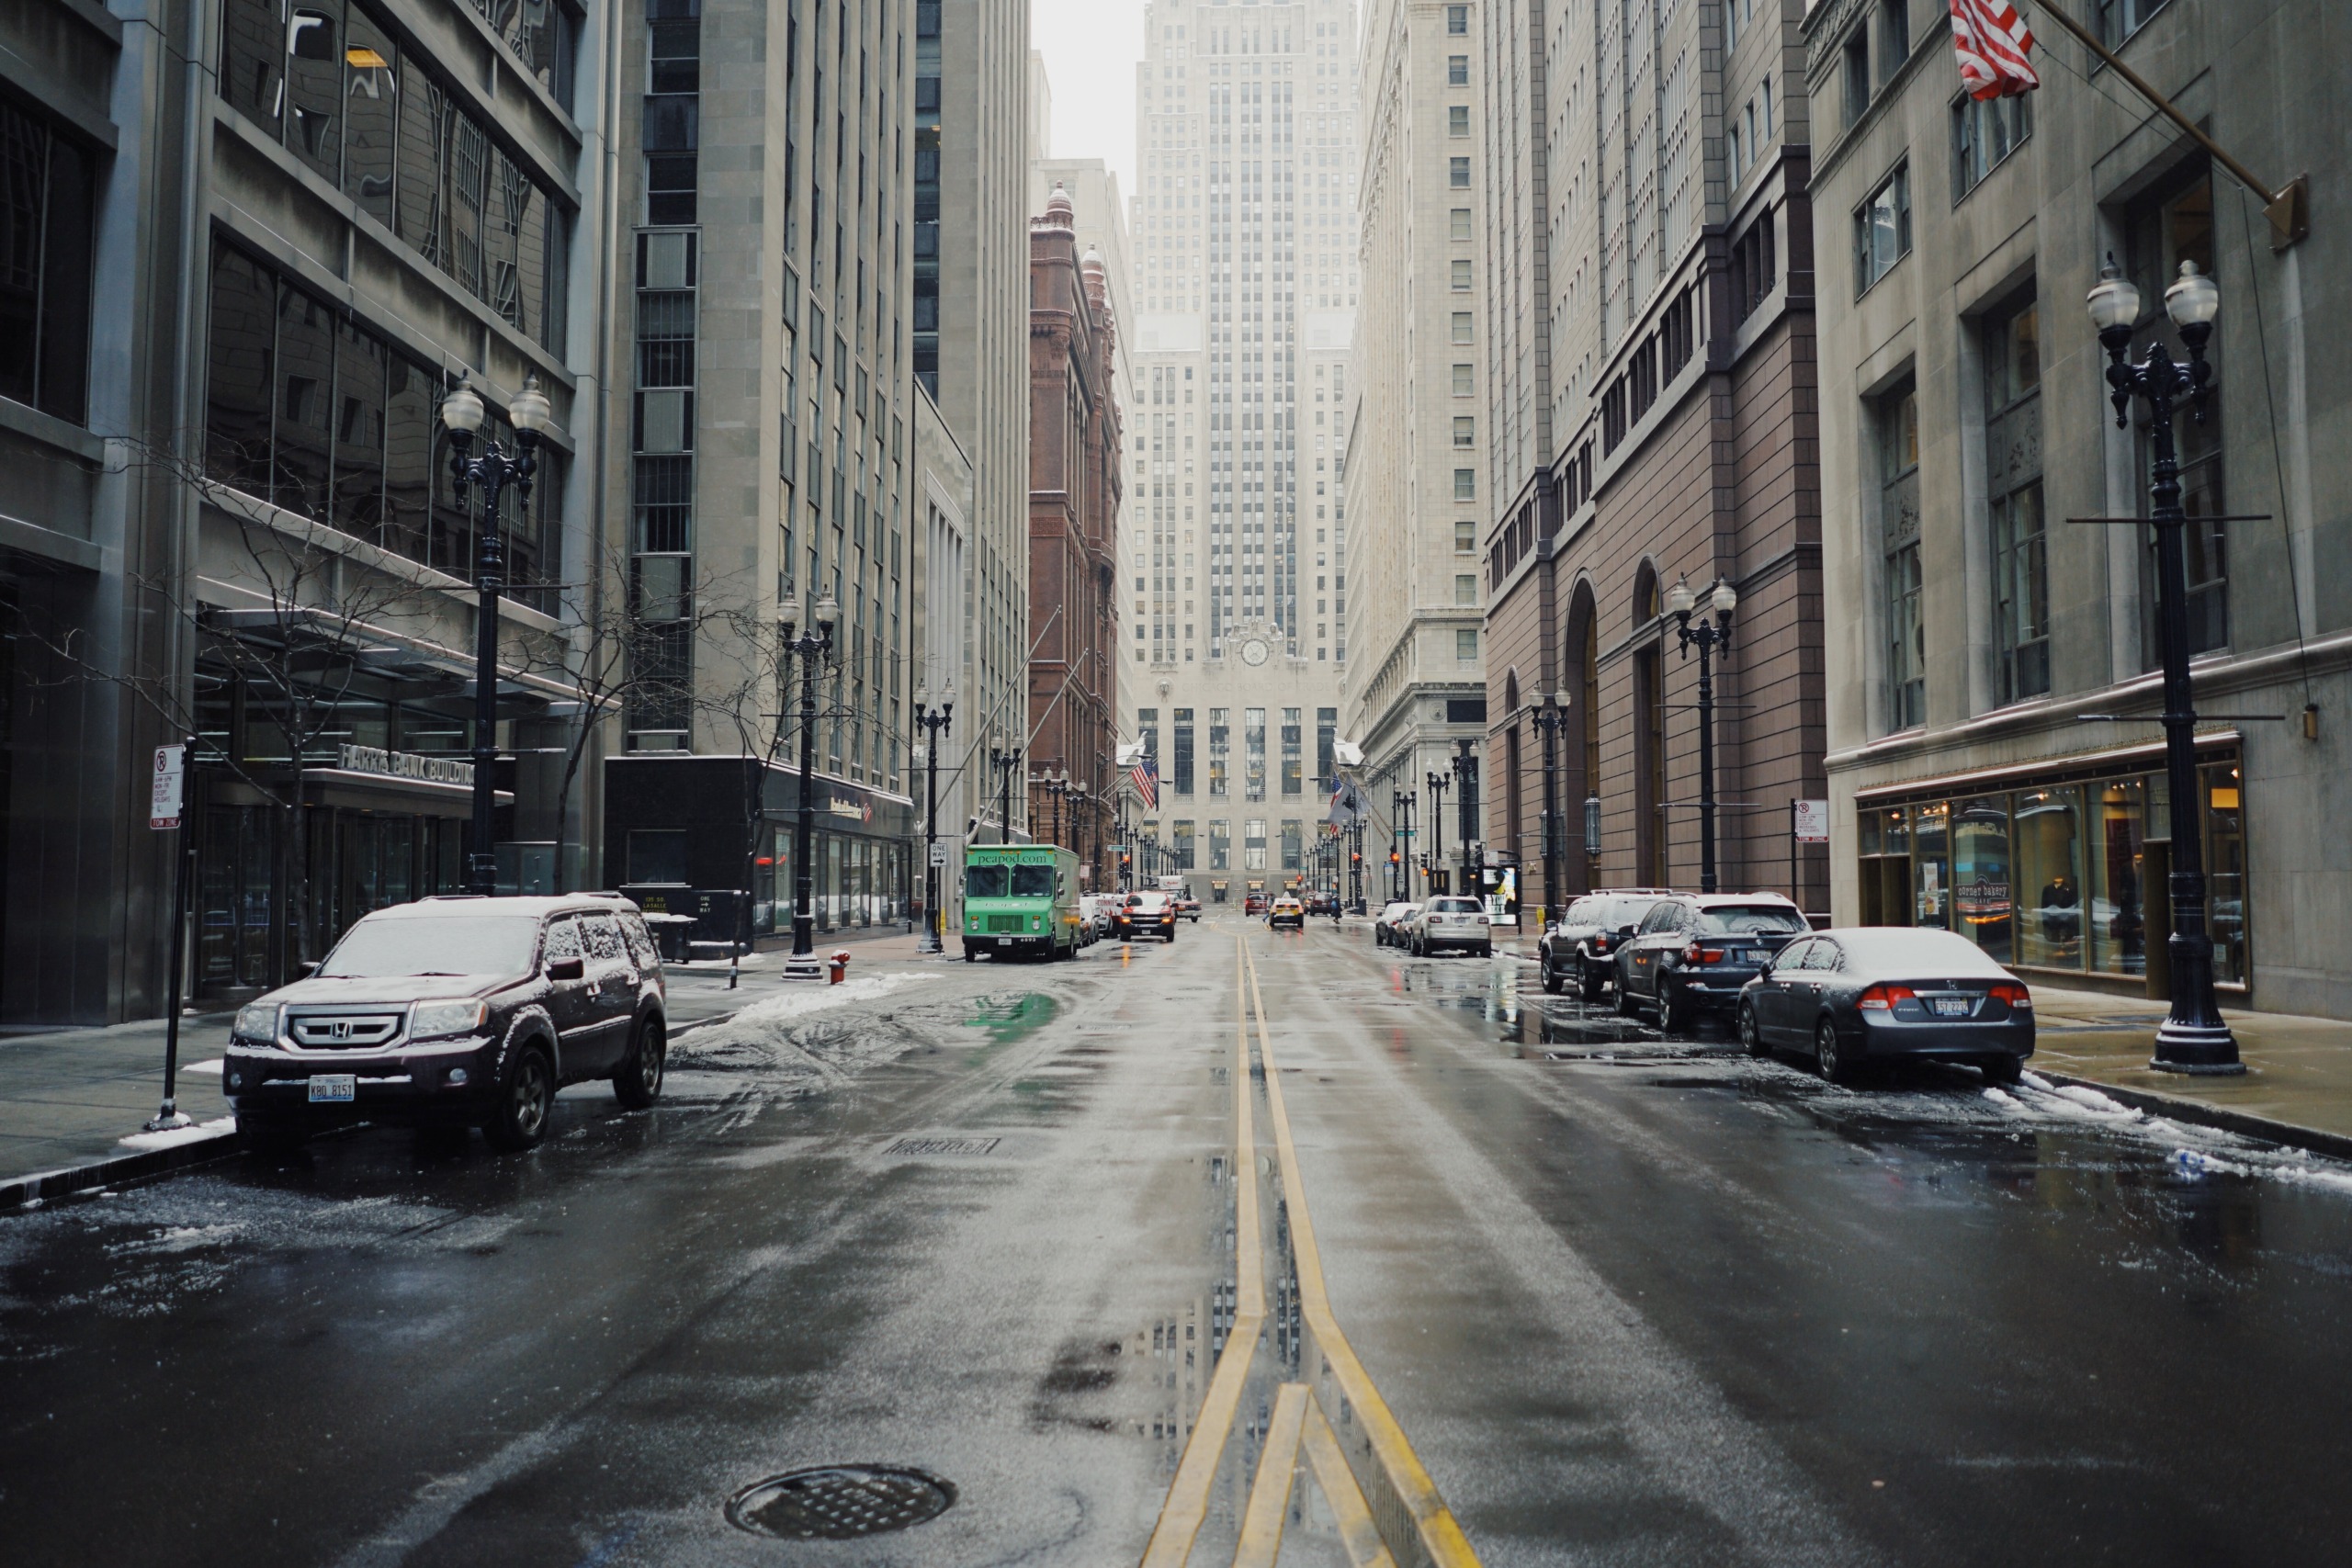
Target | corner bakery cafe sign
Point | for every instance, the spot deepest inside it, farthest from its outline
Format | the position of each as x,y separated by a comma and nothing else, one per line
407,765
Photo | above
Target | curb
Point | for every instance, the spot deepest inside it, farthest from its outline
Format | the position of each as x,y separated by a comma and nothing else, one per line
24,1191
2196,1112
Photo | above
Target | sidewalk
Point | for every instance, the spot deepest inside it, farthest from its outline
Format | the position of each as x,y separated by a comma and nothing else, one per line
2296,1086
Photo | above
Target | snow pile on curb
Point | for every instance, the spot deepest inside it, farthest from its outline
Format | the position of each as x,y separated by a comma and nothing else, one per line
196,1132
762,1018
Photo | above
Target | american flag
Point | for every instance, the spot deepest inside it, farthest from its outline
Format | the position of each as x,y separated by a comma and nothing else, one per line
1145,773
1993,43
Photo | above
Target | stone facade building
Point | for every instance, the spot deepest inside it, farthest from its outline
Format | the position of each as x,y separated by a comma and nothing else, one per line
1244,247
1966,421
764,342
1647,343
1074,498
1415,595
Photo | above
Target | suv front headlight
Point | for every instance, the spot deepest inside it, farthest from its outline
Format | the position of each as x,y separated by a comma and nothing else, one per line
431,1020
256,1020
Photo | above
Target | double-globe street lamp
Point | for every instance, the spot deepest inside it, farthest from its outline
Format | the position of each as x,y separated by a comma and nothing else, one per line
1709,634
490,471
1006,760
1433,864
1466,802
1549,717
2193,1038
1054,785
935,723
813,648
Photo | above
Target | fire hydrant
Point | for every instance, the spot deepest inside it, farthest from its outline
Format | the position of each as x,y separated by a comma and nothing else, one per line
840,967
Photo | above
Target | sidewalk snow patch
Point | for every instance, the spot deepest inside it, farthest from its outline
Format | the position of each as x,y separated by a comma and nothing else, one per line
201,1132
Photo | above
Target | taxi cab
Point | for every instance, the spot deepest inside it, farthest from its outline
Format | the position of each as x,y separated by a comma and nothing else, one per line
1286,911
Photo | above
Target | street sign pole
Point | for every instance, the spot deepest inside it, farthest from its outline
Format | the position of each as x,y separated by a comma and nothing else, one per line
167,813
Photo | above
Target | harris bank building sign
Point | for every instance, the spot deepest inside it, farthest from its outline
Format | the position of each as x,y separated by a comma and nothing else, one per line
407,765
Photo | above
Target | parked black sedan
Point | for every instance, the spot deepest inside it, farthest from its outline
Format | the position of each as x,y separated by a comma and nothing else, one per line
1874,993
1578,948
1694,951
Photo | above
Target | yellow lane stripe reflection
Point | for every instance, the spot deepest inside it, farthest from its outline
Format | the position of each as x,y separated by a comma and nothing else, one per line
1261,1522
1439,1535
1188,1495
1354,1514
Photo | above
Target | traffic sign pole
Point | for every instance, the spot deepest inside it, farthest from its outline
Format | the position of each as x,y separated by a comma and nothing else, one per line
167,813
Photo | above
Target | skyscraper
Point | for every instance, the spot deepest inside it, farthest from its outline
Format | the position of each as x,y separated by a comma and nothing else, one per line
1244,272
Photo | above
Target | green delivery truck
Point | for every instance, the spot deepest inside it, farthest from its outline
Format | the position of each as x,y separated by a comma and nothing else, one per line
1020,901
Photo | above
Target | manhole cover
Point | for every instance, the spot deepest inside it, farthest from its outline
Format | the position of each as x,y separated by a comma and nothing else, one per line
840,1502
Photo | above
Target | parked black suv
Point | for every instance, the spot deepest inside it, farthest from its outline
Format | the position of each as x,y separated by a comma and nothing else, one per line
1694,951
1581,945
456,1011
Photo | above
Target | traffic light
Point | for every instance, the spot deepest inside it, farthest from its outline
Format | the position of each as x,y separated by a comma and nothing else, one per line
1394,859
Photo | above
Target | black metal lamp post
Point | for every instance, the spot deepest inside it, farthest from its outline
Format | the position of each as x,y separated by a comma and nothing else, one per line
1592,840
1465,801
2193,1038
1711,633
935,725
490,471
812,647
1548,720
1078,799
1433,864
1007,763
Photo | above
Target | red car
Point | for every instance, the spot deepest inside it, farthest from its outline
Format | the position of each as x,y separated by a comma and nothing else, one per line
1254,905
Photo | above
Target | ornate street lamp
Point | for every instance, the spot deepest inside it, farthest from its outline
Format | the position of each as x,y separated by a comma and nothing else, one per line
1007,763
1548,720
935,725
490,473
1465,801
1710,634
1433,864
814,648
2193,1038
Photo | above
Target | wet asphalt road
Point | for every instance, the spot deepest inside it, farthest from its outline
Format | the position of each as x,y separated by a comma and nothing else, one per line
1634,1301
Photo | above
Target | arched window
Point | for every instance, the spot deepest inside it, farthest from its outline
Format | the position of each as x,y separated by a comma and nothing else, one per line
1580,737
1650,836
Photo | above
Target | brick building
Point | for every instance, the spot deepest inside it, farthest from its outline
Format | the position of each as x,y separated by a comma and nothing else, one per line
1650,419
1073,530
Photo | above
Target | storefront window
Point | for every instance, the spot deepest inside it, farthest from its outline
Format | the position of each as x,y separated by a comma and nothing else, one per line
2226,872
1982,896
1930,838
2048,842
2118,873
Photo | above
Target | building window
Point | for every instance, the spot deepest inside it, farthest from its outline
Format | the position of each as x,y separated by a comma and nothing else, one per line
1906,644
2172,225
1460,224
1466,588
1253,742
1184,846
1220,846
1465,645
1457,20
1457,119
1893,37
1465,536
1465,484
1253,844
1220,748
1327,736
1465,430
2119,19
1857,62
1753,268
1294,843
1457,70
1983,133
1882,229
1465,381
1459,176
1180,775
1461,275
1462,326
46,211
2013,466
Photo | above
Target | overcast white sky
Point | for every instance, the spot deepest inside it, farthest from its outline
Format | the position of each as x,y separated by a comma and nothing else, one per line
1091,49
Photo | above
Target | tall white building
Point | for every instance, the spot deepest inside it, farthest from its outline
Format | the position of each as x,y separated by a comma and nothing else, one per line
1233,594
1416,604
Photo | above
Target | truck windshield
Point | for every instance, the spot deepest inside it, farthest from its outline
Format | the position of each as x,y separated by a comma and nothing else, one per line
984,881
456,944
1032,882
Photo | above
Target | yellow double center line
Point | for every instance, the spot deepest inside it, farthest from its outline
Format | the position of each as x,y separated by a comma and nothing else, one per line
1415,1517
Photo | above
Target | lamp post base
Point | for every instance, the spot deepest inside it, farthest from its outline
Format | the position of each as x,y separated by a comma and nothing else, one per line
2207,1050
806,967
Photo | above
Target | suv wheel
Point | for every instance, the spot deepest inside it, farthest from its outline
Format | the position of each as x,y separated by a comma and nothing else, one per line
1675,1013
638,1084
1553,984
1589,983
525,1103
1626,1007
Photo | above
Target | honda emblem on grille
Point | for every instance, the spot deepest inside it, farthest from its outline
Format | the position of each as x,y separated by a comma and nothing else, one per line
339,1029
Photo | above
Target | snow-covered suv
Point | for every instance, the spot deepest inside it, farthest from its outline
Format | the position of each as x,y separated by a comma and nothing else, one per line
465,1012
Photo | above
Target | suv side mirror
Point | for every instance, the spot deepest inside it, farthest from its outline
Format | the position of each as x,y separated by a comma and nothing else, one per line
1624,930
567,969
309,966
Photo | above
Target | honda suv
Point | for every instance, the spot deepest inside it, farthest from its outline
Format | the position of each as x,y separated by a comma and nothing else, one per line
1579,948
456,1011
